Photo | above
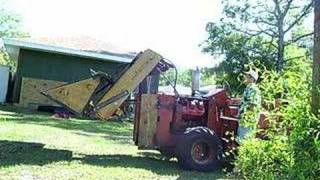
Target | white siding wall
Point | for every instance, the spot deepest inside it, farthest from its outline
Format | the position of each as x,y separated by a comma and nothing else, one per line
4,78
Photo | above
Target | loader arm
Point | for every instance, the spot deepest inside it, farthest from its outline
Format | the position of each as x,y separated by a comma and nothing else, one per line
97,96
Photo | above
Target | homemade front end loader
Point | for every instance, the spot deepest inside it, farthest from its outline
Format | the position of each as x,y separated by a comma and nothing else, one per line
196,129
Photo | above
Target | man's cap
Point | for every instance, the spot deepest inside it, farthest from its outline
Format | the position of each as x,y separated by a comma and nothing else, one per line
253,74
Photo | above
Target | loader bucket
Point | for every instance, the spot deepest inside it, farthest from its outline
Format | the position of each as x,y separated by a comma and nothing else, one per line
101,97
74,96
140,68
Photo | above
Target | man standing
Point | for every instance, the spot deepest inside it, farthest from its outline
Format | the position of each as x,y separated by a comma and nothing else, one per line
250,106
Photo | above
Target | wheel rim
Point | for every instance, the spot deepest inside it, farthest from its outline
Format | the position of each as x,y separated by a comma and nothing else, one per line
202,152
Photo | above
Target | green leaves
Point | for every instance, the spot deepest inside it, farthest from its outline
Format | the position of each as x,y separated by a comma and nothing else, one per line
256,32
293,148
184,77
267,35
264,159
10,27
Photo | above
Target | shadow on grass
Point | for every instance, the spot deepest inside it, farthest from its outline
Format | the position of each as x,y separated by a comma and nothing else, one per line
16,152
155,165
29,153
151,162
92,126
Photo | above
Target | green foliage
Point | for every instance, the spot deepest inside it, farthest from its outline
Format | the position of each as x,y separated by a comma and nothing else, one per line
238,50
183,77
5,60
296,77
264,159
304,140
10,24
207,78
292,151
10,27
255,32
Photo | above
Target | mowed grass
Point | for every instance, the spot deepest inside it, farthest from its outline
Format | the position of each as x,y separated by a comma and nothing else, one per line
36,146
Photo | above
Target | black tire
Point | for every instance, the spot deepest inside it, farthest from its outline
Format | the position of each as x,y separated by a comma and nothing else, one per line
167,153
199,149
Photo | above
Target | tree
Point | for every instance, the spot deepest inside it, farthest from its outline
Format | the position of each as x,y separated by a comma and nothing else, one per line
258,32
10,27
238,50
316,60
183,77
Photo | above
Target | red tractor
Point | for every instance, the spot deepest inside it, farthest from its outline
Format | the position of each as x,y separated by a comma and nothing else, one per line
197,129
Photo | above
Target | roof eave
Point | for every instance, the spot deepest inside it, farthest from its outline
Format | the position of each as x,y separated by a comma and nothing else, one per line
66,51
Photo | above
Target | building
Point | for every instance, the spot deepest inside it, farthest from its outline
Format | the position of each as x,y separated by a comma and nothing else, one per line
45,63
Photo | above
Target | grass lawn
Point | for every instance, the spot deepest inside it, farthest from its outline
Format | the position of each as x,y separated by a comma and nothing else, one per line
36,146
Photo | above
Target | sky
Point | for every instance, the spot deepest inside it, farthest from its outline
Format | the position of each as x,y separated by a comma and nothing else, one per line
174,28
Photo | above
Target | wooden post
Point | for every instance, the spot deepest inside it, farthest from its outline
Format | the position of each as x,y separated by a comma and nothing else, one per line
316,60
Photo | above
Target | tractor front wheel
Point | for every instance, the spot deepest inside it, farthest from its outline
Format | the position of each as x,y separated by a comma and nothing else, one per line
199,149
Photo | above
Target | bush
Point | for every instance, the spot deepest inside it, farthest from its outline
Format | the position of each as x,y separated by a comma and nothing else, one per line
292,151
264,159
304,141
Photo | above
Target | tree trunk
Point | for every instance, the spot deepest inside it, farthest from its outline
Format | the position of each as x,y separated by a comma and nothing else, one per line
280,59
280,62
316,60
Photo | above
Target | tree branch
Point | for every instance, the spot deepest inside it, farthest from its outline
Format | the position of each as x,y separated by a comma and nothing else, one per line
298,38
247,32
268,32
277,13
271,43
304,12
297,57
277,9
260,20
287,7
301,37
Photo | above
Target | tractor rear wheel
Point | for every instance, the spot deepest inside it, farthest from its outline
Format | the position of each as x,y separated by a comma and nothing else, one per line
199,149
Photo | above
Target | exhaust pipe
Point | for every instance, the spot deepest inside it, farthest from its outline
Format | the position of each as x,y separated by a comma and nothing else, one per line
195,84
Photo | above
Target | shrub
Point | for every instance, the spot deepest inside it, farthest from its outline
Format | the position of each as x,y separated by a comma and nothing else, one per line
260,159
292,151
